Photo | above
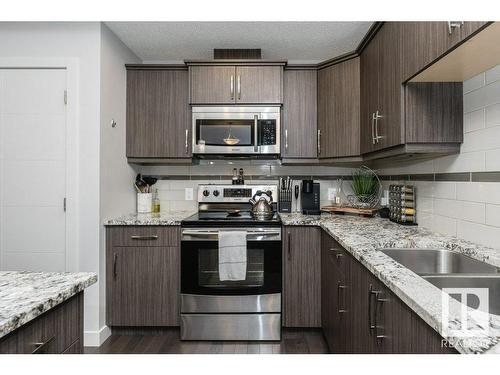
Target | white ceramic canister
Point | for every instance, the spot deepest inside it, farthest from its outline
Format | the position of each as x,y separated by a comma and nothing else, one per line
144,203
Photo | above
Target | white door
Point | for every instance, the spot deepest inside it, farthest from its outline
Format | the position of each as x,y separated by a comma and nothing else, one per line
32,169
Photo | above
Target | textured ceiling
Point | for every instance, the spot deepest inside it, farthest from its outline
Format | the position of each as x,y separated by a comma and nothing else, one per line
293,41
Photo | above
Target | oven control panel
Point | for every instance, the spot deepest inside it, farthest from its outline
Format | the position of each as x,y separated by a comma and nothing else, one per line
233,193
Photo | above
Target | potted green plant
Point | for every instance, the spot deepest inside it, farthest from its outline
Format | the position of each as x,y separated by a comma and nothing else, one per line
366,187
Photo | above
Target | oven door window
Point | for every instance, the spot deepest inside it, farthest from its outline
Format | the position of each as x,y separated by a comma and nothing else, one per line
208,270
200,269
225,132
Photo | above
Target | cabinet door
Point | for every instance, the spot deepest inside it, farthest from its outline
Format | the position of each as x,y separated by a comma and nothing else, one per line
362,331
302,277
470,27
259,84
299,114
143,286
424,42
339,109
389,126
212,84
369,93
381,306
412,335
158,114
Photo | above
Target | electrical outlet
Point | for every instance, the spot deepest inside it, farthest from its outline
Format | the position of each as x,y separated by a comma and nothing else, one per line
332,192
188,194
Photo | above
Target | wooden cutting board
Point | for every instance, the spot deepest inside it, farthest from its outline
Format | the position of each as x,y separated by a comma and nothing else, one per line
350,210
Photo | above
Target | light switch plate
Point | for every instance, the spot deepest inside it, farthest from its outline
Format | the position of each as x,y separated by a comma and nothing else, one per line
188,194
332,192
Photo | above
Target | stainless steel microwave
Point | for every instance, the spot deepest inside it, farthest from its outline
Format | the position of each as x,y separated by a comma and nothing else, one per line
236,130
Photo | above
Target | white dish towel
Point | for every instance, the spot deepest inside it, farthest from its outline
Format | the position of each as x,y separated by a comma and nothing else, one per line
232,255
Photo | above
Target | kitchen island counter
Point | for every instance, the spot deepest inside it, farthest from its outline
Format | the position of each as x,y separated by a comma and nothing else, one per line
26,295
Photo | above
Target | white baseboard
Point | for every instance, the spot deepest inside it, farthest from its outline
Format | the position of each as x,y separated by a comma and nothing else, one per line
96,338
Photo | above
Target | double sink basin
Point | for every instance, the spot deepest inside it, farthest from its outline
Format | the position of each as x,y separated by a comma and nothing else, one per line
448,269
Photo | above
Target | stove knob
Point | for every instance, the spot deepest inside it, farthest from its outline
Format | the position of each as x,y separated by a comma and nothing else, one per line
206,193
216,193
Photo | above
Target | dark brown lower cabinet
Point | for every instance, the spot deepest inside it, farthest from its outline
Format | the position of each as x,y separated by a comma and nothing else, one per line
361,315
142,276
302,277
59,330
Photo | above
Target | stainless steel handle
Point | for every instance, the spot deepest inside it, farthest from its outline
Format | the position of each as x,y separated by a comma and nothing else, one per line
40,346
377,301
186,145
373,128
232,87
378,116
286,139
216,232
339,255
151,237
256,132
115,258
289,246
239,87
319,142
339,288
454,25
371,293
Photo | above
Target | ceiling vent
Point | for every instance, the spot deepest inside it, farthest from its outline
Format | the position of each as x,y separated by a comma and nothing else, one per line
237,54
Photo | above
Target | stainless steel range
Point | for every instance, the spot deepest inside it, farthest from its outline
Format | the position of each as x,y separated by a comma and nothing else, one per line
245,309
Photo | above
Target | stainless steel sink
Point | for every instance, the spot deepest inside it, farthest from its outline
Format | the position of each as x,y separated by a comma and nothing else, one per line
462,282
438,261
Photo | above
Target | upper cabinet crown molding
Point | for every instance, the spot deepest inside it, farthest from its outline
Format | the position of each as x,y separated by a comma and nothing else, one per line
246,62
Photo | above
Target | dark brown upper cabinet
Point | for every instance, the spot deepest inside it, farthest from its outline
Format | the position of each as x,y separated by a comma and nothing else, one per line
212,84
399,118
381,85
425,42
299,115
236,84
339,110
158,115
302,277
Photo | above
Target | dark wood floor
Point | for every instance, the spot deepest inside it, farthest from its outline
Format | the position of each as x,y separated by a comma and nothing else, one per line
294,341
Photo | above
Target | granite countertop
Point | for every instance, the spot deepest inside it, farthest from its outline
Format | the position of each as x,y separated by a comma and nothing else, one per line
163,218
363,237
26,295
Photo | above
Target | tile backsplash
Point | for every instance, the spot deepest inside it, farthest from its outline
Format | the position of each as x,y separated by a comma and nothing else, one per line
468,210
172,193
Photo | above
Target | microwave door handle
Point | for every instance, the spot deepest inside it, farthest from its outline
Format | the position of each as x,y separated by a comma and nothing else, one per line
256,133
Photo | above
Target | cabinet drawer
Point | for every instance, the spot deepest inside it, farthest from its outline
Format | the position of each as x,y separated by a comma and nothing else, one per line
338,255
144,236
50,333
75,348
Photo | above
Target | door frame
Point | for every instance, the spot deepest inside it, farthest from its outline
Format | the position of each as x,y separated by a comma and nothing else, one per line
71,65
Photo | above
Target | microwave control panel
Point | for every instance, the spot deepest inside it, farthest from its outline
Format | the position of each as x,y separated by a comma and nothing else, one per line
267,132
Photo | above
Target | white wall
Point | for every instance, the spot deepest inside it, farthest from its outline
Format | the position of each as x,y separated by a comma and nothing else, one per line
469,210
117,195
80,41
104,177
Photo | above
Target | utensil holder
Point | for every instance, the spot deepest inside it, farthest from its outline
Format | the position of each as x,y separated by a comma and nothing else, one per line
144,203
